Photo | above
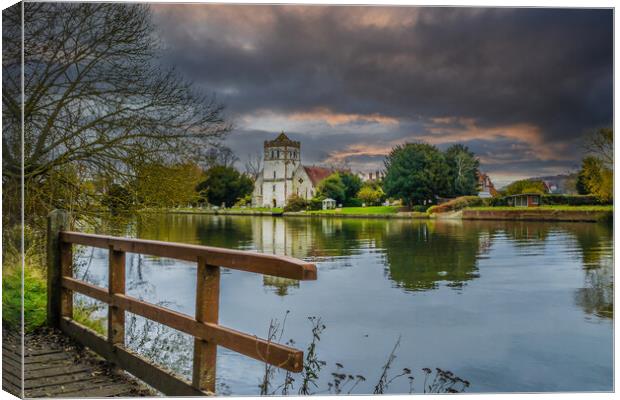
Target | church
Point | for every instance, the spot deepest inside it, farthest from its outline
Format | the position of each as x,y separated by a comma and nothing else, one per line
283,174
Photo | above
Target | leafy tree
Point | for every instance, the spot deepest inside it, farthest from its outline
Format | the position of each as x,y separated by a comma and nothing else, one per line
224,185
415,173
118,198
596,174
462,170
370,195
332,187
159,185
605,191
525,186
589,175
352,184
594,178
95,96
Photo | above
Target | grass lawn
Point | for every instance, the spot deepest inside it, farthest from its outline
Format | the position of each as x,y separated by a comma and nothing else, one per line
250,209
544,208
360,210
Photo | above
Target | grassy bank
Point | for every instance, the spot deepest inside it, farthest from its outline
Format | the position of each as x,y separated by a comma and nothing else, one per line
545,208
34,291
222,211
377,210
542,213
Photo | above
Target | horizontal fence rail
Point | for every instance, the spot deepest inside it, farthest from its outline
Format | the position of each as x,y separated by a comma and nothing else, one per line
204,326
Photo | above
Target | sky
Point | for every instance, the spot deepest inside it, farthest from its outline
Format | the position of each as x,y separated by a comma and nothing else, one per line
521,87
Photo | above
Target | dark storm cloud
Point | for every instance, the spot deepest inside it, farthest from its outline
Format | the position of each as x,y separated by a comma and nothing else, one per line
546,72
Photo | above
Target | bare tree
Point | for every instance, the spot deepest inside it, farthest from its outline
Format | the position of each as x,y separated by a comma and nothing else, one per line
254,164
94,94
219,156
601,144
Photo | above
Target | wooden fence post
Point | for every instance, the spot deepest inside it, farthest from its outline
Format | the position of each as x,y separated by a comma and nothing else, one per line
59,263
207,310
116,284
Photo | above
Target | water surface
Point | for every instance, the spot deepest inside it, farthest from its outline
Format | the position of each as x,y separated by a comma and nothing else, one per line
509,306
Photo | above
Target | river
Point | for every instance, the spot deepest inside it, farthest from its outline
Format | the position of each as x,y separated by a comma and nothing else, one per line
508,306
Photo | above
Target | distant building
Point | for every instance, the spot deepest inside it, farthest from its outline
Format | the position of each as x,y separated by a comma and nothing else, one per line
486,187
283,174
376,176
524,200
329,204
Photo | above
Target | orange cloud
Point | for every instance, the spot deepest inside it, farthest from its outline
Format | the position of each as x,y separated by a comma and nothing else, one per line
356,150
528,141
453,129
333,119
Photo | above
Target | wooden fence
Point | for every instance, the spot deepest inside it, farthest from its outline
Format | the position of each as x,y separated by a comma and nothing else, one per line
204,327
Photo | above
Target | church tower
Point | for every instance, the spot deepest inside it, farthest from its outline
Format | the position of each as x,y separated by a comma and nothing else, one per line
281,157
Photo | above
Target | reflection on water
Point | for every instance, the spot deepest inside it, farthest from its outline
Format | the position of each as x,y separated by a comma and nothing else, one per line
492,301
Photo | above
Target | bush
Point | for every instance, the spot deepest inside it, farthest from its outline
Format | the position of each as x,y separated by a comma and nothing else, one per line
457,204
571,200
354,202
296,203
370,195
244,201
419,208
497,202
35,297
316,203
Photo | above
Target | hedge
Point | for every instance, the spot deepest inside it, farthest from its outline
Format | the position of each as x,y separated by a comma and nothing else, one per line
457,204
571,200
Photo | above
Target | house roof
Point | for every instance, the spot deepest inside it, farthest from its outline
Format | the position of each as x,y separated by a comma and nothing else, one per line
317,174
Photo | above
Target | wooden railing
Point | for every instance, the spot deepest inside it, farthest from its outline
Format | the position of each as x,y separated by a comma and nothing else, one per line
204,327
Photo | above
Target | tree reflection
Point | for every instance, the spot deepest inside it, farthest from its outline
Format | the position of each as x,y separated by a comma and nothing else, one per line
421,255
596,244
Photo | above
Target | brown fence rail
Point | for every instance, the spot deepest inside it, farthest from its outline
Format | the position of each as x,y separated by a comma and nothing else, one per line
204,327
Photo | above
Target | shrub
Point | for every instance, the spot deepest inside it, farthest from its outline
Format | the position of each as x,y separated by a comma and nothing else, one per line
456,204
244,201
370,195
571,200
496,201
525,186
296,203
419,208
316,203
354,202
35,297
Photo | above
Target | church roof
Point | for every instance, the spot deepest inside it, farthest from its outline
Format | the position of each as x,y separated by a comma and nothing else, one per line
317,174
281,141
282,137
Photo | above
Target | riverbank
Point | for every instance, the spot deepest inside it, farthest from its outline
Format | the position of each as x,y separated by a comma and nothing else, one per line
542,213
274,212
